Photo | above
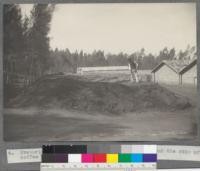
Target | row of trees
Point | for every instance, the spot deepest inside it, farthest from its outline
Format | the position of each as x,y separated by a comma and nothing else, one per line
25,46
26,42
64,60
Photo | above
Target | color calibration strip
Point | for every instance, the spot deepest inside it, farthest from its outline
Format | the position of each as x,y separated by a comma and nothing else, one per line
82,149
99,158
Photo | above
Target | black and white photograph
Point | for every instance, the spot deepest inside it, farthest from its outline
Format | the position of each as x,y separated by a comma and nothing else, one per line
99,72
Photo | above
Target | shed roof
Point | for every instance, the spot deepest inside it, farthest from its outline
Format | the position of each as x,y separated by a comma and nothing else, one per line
185,69
175,65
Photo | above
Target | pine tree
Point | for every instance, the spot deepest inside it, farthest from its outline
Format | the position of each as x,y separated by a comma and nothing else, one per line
39,49
12,40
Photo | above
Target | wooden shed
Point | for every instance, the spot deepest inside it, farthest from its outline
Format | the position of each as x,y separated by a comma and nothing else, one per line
188,74
168,71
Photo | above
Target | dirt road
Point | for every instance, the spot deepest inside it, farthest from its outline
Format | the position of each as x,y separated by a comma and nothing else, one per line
69,125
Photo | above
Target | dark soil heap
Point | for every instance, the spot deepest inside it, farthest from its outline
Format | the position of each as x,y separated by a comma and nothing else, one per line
77,93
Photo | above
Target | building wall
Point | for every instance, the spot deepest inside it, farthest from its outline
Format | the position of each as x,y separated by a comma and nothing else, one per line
166,75
190,76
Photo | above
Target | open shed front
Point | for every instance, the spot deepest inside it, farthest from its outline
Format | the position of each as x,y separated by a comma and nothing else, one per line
189,74
166,75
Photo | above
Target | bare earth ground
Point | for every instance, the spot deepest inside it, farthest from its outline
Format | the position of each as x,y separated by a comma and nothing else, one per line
73,126
33,124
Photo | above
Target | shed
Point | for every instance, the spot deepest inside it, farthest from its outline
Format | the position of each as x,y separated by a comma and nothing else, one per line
168,71
188,74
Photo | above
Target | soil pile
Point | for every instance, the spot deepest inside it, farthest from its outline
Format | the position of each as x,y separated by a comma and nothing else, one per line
78,93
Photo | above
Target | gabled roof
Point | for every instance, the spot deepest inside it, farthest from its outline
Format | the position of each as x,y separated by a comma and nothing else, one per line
185,69
175,65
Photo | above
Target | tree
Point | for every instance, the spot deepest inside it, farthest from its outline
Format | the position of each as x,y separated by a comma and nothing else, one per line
12,37
148,62
172,54
13,49
14,45
39,49
163,55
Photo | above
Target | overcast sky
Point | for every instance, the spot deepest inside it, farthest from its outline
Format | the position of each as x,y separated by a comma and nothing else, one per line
122,27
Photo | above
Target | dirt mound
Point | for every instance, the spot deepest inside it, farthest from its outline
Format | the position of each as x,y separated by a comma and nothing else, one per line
76,93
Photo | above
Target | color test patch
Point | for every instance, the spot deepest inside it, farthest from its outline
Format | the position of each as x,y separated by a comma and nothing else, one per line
124,158
126,148
87,158
149,157
60,158
150,149
74,158
48,158
137,158
112,158
137,149
100,158
47,149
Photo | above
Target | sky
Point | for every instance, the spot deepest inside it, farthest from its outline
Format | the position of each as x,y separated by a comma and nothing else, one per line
120,27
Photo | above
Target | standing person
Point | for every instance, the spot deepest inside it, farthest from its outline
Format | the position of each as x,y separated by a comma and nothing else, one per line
133,66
